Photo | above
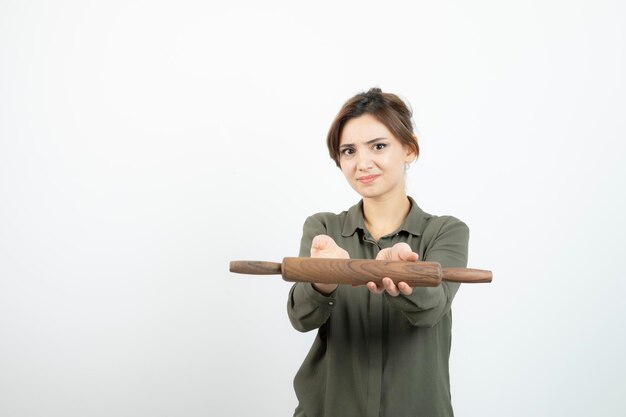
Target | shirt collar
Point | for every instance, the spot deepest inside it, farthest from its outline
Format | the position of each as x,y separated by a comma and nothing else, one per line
413,223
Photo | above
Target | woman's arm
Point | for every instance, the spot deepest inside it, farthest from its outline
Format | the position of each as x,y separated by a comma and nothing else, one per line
310,305
425,306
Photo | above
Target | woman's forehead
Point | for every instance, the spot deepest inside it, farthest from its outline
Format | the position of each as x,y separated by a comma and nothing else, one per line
363,129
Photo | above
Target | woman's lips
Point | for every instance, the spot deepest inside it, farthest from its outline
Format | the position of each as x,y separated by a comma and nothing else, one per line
367,179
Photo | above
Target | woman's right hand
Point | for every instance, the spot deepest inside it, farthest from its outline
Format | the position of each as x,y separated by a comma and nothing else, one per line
323,246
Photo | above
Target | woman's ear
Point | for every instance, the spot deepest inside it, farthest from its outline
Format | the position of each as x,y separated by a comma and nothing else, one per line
411,153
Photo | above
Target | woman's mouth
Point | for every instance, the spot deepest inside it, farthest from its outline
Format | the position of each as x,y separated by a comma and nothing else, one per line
368,178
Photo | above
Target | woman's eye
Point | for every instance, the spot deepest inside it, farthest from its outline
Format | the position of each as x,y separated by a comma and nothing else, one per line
379,146
347,151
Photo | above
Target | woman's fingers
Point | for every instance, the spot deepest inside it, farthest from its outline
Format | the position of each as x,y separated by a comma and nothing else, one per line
384,254
398,252
402,252
408,256
391,288
374,288
323,246
387,285
321,243
405,288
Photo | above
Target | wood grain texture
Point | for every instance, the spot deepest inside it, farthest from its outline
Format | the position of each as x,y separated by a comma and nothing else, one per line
360,271
255,267
467,275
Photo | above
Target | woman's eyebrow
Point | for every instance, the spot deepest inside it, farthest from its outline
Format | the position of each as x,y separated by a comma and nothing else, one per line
369,142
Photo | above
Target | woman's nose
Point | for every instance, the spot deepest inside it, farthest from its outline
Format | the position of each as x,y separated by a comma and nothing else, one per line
364,162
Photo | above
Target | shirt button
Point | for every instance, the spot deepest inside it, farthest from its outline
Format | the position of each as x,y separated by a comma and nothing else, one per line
330,303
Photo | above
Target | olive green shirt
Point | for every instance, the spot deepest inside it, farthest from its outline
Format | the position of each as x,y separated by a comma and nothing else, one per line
376,355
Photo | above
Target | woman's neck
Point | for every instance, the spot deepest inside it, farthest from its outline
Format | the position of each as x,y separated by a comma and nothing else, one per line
385,215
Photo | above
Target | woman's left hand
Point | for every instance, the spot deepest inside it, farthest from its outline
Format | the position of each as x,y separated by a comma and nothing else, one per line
398,252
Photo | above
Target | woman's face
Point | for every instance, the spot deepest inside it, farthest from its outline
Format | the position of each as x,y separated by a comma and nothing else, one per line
371,158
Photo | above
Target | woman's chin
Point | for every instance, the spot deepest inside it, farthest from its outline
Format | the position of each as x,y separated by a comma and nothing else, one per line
369,192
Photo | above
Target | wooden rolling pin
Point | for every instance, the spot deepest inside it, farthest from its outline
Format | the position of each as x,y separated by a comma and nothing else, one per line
360,271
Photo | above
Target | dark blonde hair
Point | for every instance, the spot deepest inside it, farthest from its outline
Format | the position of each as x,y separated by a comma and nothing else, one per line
388,108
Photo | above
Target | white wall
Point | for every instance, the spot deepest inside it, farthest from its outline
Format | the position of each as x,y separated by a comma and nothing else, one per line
144,144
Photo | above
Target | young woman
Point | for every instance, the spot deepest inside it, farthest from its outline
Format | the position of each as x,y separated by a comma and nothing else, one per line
379,351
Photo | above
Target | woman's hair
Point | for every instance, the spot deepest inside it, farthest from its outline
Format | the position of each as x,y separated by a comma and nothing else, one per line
388,108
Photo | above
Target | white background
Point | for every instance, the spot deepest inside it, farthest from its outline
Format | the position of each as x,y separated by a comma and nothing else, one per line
145,144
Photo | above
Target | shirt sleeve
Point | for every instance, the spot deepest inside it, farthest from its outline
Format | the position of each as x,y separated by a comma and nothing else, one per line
427,305
307,308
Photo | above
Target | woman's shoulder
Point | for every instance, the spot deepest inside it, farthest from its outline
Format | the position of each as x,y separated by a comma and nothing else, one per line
327,215
327,219
437,226
443,219
337,219
433,224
